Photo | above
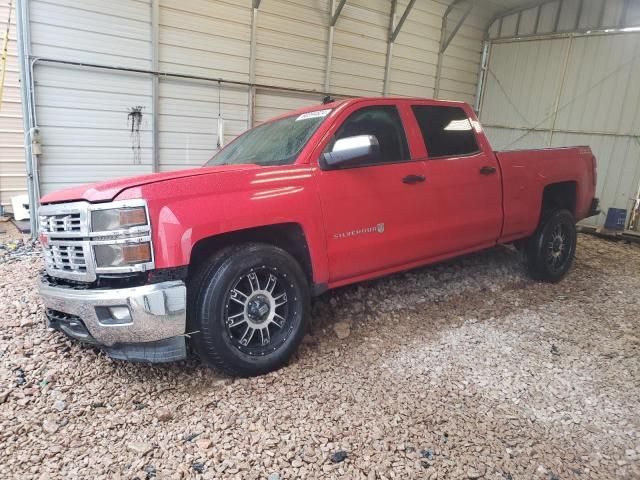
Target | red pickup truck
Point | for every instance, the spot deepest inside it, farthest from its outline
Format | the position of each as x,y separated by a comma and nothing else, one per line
226,257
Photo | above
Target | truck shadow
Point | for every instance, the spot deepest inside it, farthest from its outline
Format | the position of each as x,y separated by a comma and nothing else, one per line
470,285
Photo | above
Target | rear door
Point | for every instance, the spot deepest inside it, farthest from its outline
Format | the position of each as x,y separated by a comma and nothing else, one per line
373,213
463,180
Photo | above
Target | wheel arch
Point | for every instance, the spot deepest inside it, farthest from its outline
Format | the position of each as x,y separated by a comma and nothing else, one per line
288,236
560,195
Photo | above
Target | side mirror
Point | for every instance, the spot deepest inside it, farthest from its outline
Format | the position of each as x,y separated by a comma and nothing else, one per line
353,151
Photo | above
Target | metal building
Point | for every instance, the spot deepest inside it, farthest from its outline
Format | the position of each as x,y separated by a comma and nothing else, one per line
568,73
127,87
13,179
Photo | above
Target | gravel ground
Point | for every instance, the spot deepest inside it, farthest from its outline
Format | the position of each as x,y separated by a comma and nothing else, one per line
462,370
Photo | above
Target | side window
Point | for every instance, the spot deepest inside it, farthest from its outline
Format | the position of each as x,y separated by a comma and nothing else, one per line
384,123
447,131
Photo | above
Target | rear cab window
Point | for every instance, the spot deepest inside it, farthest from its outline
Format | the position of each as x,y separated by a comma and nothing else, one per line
446,130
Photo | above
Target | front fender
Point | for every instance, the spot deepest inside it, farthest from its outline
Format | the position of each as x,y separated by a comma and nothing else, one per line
186,210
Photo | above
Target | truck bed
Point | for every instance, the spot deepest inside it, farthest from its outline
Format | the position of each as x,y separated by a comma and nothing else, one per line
526,174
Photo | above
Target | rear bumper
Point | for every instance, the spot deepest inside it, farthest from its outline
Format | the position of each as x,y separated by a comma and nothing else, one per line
149,326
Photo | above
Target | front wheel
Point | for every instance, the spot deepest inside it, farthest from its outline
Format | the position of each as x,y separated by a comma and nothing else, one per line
551,249
249,305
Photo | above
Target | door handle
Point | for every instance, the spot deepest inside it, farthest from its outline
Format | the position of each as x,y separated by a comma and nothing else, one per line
411,179
487,170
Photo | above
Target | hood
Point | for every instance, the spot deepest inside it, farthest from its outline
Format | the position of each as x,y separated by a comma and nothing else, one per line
107,191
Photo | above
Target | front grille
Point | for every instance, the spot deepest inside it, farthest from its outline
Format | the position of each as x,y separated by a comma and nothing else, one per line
65,258
68,241
61,223
64,234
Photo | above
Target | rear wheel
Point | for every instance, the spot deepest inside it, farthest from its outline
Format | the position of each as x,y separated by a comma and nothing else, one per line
551,249
249,307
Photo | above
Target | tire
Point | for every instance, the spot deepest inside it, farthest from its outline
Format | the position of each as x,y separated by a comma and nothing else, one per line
551,249
248,320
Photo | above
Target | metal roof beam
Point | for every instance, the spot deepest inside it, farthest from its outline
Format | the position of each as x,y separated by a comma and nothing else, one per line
337,13
407,10
448,39
535,4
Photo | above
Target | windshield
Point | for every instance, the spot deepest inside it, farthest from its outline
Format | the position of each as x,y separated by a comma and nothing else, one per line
273,143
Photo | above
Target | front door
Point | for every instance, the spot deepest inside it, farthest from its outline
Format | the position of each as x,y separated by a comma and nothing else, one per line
373,213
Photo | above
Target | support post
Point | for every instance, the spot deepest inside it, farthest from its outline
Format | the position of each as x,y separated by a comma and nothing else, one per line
252,65
155,85
436,87
387,66
24,53
327,66
556,108
482,75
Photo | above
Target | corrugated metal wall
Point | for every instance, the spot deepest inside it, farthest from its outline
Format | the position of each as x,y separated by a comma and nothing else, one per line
84,113
577,90
198,38
461,62
558,16
13,178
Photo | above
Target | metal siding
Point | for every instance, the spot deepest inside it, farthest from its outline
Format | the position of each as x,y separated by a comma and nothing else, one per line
612,12
548,14
12,164
461,61
92,33
597,104
509,26
83,112
359,50
188,121
523,81
291,43
568,14
270,104
590,14
633,14
528,21
210,39
415,53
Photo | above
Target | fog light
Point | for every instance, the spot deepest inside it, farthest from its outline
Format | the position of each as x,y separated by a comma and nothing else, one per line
116,315
121,314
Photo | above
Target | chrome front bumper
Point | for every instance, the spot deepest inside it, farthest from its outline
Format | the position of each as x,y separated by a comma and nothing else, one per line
154,330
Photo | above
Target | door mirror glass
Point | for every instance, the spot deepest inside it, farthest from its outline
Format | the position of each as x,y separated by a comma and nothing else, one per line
353,151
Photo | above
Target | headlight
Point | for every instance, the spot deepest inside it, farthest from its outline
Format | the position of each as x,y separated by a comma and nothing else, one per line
122,254
118,218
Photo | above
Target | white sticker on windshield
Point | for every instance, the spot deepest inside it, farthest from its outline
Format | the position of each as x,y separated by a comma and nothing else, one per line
316,114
